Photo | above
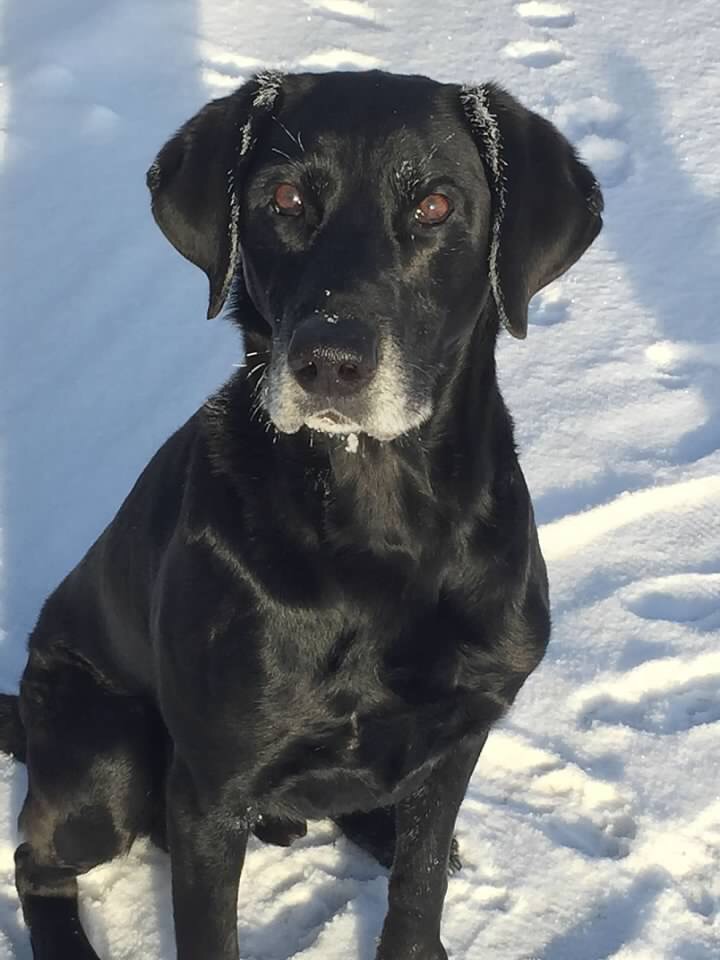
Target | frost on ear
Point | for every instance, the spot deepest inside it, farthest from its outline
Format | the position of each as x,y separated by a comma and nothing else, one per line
269,83
476,103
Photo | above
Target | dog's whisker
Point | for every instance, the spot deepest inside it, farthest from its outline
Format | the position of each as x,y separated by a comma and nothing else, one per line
257,389
291,160
295,140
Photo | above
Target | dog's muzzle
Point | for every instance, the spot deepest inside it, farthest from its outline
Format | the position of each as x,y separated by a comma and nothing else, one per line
340,375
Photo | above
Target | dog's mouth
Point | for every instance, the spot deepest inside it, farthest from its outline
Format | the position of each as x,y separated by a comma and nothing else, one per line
332,421
384,409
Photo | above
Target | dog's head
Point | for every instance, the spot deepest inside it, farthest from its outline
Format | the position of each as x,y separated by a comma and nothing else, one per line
370,218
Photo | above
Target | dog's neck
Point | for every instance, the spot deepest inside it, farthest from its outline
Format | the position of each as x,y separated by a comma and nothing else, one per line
449,456
448,470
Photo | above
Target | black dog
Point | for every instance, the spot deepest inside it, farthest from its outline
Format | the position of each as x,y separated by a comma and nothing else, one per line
327,586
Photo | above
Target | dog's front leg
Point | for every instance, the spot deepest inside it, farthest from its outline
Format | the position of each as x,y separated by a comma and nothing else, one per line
425,822
207,849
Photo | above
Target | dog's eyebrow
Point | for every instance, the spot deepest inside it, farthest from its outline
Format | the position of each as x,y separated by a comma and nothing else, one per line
298,165
313,169
435,147
409,175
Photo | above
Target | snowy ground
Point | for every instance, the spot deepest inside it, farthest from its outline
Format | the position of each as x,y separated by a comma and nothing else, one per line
592,827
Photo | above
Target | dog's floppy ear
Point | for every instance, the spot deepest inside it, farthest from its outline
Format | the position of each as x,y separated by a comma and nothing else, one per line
194,179
547,204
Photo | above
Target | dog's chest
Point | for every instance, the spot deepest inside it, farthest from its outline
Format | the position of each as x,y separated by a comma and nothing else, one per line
365,715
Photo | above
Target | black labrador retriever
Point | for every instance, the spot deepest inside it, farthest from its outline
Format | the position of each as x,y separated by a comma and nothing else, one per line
326,587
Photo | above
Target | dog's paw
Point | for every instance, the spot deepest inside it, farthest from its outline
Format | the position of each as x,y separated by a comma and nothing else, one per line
279,831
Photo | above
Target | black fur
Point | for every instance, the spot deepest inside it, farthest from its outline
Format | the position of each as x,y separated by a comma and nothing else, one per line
12,733
274,627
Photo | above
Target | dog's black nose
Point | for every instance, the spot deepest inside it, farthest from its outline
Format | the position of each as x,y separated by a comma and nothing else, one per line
332,357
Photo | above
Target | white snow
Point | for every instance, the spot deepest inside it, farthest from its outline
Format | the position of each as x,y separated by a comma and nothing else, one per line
591,829
546,14
339,59
536,53
352,10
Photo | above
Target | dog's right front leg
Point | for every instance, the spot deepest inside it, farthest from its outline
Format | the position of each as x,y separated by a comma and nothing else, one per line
207,850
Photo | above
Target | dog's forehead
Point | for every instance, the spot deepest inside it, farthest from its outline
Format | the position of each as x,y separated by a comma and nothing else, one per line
371,108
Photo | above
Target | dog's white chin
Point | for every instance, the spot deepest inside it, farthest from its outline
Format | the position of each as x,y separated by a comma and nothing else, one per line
384,431
325,424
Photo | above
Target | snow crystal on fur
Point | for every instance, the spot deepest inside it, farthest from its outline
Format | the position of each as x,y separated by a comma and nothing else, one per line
476,103
269,83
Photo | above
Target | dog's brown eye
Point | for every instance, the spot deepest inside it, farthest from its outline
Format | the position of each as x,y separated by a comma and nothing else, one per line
435,208
288,200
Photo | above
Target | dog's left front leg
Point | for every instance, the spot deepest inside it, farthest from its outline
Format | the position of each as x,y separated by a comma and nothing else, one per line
425,822
207,851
